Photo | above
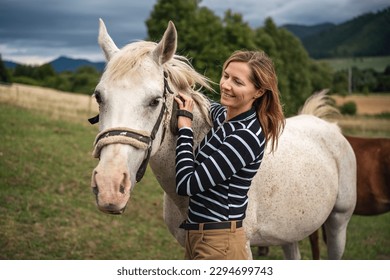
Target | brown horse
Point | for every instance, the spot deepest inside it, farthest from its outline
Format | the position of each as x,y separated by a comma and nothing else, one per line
373,181
373,174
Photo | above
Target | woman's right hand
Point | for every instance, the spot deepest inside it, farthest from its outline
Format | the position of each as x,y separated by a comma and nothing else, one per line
186,103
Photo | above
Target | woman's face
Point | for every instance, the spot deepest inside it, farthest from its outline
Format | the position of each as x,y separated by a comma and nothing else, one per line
237,91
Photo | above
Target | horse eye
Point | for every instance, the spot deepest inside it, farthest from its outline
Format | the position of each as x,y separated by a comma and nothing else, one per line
97,97
154,102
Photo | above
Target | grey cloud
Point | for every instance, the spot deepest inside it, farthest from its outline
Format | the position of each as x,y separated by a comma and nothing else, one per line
50,28
307,12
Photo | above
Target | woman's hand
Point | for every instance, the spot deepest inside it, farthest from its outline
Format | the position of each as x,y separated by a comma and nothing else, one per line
186,103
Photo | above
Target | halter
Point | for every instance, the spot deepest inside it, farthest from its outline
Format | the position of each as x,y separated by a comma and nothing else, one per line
136,138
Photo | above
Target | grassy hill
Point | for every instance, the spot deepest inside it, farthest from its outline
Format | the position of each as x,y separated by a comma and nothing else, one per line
366,35
304,31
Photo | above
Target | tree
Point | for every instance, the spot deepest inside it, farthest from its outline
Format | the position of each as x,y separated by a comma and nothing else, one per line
35,72
181,13
209,41
84,80
5,76
321,75
383,79
43,71
291,62
340,82
237,33
23,70
200,33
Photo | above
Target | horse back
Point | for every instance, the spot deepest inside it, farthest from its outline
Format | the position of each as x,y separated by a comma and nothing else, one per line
299,184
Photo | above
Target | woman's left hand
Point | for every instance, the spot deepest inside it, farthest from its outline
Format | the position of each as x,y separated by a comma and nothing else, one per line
186,103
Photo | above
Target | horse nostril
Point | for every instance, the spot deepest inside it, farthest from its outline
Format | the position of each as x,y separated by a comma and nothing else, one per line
95,190
122,189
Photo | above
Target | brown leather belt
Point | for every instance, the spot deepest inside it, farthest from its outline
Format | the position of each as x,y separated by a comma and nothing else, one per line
209,226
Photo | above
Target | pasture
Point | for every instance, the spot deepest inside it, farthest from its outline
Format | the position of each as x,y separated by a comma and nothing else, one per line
48,210
372,118
378,63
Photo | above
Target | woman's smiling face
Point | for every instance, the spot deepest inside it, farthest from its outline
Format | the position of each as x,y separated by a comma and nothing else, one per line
237,90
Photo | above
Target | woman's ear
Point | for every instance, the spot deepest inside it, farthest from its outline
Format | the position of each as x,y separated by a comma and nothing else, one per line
259,93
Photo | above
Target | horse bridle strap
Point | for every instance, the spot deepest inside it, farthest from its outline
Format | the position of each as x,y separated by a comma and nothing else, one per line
121,135
136,138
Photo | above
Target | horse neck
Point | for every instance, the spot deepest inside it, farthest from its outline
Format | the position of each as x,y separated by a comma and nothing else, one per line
200,126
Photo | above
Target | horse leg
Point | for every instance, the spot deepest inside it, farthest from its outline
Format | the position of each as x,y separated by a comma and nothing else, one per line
336,235
262,251
323,234
291,251
337,222
315,246
173,217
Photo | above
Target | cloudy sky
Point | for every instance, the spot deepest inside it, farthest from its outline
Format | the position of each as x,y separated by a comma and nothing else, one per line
37,31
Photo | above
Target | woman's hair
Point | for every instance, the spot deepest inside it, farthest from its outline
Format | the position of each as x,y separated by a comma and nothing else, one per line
268,107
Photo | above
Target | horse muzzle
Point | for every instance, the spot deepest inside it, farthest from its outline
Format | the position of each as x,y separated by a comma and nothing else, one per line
111,209
111,188
116,208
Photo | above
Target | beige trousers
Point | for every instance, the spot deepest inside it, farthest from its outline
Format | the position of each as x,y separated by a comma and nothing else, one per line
216,244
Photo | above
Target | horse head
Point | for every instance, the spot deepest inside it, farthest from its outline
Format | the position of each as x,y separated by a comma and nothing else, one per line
135,100
132,105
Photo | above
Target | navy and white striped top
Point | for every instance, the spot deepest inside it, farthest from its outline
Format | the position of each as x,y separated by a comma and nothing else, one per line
217,176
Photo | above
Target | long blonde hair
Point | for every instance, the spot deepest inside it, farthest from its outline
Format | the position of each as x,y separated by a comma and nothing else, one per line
268,107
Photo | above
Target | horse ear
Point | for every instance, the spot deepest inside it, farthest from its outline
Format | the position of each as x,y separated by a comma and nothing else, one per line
106,43
166,48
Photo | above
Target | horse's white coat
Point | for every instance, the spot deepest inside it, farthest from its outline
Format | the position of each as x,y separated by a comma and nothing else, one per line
309,180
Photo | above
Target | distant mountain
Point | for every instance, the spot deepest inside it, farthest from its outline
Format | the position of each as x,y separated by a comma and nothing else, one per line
303,31
9,64
366,35
63,63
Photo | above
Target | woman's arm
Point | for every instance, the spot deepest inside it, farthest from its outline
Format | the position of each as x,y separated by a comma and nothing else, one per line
238,150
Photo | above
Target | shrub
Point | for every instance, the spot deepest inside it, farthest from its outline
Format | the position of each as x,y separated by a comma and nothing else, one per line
348,108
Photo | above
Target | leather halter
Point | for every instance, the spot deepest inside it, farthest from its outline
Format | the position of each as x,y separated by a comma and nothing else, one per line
136,138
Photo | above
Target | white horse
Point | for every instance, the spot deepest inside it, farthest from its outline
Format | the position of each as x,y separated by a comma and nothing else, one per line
310,180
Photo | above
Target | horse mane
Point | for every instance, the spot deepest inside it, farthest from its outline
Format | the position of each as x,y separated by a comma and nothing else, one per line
182,76
320,105
185,79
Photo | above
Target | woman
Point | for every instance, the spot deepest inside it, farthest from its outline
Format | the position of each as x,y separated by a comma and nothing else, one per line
217,176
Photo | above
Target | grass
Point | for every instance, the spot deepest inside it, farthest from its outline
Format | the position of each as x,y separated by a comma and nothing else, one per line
368,238
48,211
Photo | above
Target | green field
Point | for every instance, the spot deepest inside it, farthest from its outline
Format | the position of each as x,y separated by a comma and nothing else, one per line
377,63
48,211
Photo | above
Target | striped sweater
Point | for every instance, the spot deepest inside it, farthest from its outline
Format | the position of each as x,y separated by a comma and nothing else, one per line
217,176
